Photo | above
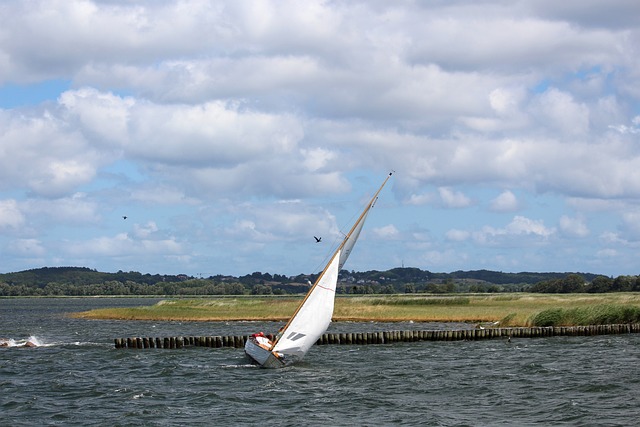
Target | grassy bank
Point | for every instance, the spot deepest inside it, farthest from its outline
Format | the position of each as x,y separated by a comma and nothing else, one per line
508,309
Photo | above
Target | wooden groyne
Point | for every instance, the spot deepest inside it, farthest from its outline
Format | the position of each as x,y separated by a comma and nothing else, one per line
364,338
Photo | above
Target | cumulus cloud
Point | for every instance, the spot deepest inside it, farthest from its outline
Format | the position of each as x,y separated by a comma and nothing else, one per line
44,155
523,225
505,202
240,115
520,231
388,232
453,199
419,199
561,113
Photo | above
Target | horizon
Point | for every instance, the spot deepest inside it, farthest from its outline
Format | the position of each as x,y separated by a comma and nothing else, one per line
308,274
176,136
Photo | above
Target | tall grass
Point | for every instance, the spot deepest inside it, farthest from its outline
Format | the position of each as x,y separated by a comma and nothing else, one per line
421,301
603,314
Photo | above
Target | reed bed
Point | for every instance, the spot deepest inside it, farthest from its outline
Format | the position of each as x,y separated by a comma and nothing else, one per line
506,309
604,314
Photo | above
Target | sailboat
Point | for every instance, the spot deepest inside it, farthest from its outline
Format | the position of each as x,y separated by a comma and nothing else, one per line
313,316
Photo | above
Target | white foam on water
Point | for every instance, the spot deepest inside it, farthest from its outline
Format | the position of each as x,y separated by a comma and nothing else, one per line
32,341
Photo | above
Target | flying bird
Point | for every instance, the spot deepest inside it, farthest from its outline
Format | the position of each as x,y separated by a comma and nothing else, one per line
124,217
318,239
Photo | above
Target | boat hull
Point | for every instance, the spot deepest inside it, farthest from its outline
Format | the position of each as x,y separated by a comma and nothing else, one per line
262,356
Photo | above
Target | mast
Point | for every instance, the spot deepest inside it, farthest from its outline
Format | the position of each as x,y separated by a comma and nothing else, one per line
356,226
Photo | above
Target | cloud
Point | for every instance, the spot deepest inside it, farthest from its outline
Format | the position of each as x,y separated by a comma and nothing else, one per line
419,199
561,113
625,129
453,199
10,214
31,248
77,209
505,202
161,194
146,231
123,245
214,133
520,231
631,225
457,235
573,227
201,111
447,257
607,253
286,221
44,155
523,225
388,232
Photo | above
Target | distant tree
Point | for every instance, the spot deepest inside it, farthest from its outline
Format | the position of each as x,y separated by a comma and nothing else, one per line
599,285
234,288
261,290
547,286
449,286
623,284
573,283
435,288
388,289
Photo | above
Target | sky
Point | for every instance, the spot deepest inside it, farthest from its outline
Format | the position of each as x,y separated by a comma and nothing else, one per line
230,133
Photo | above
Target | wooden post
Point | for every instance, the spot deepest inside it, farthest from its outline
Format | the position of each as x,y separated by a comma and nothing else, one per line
386,337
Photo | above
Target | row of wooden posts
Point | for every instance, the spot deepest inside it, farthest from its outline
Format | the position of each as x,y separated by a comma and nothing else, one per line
238,341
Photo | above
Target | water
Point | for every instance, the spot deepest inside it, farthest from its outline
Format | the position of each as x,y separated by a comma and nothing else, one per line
77,377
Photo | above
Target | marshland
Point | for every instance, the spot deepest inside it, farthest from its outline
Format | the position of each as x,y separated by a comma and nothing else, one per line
512,309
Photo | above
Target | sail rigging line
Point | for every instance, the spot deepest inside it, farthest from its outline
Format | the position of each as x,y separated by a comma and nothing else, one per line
336,253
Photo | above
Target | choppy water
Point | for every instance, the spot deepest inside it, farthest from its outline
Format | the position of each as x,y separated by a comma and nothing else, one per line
76,377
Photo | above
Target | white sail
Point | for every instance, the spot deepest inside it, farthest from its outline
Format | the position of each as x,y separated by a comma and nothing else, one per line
347,246
313,317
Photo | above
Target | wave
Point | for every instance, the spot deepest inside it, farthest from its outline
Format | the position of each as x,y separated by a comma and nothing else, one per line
32,341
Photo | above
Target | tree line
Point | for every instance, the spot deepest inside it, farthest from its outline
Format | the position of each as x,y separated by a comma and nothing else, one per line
81,281
575,283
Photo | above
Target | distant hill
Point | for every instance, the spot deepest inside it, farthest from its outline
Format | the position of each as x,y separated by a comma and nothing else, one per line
83,281
81,276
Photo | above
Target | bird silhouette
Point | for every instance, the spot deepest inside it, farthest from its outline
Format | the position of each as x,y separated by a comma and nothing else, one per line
124,217
318,239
